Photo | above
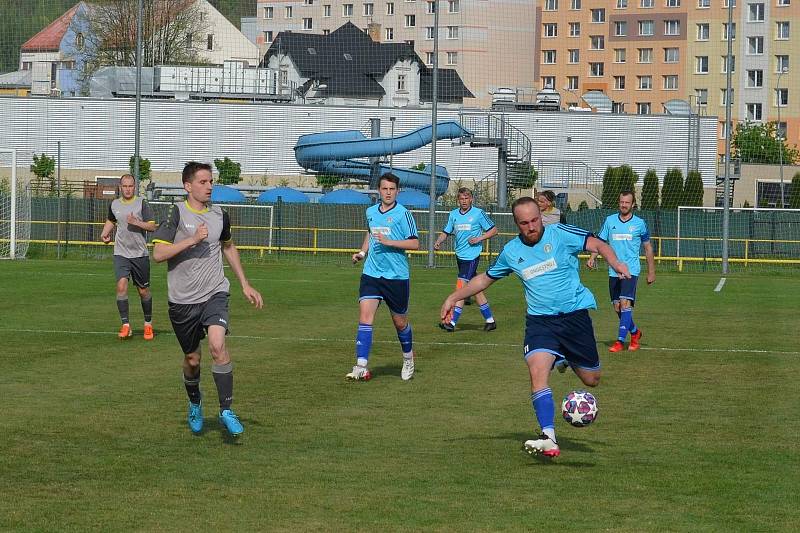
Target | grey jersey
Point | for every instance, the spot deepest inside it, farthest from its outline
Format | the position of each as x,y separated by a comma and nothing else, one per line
195,274
130,241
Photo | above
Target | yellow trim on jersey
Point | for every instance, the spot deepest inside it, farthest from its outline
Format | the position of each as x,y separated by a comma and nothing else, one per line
128,201
193,210
159,241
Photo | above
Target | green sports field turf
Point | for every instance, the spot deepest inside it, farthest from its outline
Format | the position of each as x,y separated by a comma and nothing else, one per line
697,431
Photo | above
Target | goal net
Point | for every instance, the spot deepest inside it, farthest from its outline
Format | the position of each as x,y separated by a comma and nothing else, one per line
759,239
15,206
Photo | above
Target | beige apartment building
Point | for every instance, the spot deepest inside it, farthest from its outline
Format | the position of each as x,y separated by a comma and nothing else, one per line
643,53
490,43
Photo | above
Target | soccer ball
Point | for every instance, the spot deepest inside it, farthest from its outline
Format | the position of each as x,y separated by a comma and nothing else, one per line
579,408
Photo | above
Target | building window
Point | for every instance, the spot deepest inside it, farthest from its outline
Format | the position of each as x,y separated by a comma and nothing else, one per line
409,42
671,55
782,3
308,24
620,55
643,108
622,4
430,33
268,36
411,21
725,64
673,3
755,45
755,12
620,28
596,69
269,12
452,58
646,3
754,112
574,29
598,15
572,83
326,32
701,64
619,83
390,8
645,27
431,8
575,5
702,96
326,10
369,10
781,97
308,2
755,78
597,42
725,31
452,32
574,55
548,82
703,31
551,29
453,6
551,5
645,82
549,57
210,41
672,27
782,63
780,130
617,107
287,12
388,34
401,83
726,2
429,58
347,10
782,30
79,41
702,4
671,82
645,55
723,94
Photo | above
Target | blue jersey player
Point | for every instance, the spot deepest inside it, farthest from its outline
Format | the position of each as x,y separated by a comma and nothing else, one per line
626,233
471,226
385,277
557,325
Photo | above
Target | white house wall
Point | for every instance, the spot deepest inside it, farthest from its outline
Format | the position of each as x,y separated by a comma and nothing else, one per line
98,134
229,42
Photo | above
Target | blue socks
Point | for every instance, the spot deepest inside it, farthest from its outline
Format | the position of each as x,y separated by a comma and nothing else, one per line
625,324
487,312
363,343
456,315
405,338
545,409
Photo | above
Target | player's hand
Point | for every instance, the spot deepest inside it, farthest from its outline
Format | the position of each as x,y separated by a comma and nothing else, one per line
383,239
253,296
622,270
201,233
447,309
591,263
106,237
437,245
651,278
358,256
133,220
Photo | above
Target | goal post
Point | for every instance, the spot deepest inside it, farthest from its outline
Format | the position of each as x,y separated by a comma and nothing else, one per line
15,206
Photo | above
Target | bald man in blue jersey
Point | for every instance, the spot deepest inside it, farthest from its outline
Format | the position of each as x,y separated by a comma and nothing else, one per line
558,326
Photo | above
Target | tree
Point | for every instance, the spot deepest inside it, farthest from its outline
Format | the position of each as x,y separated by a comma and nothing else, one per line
754,142
672,191
794,194
44,168
610,195
173,33
229,171
693,189
144,168
627,179
650,190
583,206
328,181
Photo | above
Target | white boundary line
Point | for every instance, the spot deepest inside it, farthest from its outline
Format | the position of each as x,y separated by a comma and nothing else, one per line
721,284
429,343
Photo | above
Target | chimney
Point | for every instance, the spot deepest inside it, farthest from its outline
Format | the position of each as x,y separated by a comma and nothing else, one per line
374,31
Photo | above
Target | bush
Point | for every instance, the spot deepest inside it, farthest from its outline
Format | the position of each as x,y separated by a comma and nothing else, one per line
144,168
44,168
616,180
650,190
672,191
229,171
693,190
583,206
328,181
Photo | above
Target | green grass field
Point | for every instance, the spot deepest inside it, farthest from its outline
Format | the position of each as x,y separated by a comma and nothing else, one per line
697,431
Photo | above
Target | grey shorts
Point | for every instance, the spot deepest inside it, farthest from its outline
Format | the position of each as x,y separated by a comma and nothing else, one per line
136,268
190,321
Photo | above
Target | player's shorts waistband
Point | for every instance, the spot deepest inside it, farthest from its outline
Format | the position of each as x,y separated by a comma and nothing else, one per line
557,316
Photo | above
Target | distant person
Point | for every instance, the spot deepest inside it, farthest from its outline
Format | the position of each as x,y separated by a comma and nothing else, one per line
471,226
547,206
557,326
386,276
132,217
627,234
193,239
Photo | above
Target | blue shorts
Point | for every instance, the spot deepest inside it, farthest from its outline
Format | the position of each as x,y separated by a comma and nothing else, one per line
393,291
467,268
568,335
622,289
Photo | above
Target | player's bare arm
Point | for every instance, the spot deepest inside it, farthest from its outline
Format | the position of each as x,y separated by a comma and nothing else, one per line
597,246
651,262
592,261
405,244
232,256
479,283
437,245
358,256
163,251
488,235
108,227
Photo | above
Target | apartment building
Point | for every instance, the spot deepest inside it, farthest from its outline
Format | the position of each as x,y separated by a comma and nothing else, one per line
490,44
643,53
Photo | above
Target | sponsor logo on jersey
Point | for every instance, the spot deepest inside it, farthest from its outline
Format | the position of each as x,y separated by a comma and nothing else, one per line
622,237
539,268
381,229
463,227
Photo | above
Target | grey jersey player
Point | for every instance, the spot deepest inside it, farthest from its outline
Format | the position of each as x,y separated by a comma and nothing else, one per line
193,239
133,218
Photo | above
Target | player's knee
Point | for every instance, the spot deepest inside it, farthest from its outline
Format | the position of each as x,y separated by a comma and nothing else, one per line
144,292
122,286
591,380
217,348
192,360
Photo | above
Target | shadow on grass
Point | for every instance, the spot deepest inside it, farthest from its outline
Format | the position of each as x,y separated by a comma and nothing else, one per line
386,370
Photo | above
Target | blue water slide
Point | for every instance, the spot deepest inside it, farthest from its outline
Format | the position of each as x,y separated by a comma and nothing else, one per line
336,152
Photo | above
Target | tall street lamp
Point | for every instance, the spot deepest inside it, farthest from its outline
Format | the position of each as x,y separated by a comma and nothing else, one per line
780,133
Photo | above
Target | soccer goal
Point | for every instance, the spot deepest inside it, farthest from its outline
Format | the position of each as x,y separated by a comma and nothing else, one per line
15,206
758,238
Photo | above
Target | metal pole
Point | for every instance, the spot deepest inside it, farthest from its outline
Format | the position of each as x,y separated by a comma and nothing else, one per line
780,146
391,146
434,106
726,212
12,252
138,118
58,182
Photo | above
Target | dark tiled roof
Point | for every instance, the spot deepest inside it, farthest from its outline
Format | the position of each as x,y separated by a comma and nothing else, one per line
451,87
349,62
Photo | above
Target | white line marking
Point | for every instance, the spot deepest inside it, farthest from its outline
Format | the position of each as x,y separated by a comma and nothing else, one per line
426,343
720,284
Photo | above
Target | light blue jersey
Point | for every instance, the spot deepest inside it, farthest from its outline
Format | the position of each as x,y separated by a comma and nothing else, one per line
473,223
548,270
398,225
626,239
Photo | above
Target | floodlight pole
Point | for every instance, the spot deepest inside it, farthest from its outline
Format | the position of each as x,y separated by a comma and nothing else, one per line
138,112
391,146
780,146
726,212
434,106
